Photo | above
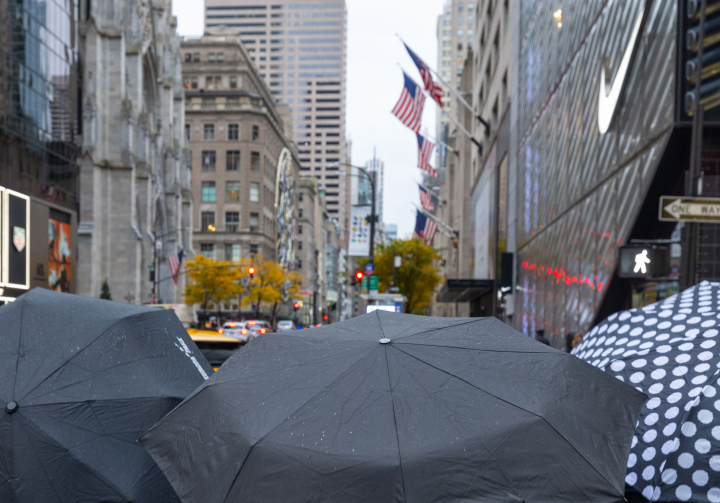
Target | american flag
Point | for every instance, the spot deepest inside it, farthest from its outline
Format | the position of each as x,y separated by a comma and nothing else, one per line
425,228
431,87
175,262
426,199
409,107
425,150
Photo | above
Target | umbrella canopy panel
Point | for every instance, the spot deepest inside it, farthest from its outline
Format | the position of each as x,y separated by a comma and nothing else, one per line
669,350
80,380
394,407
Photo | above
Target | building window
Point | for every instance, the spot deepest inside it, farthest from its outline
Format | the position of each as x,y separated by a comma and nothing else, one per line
253,249
208,250
232,192
254,222
188,57
254,192
211,57
232,251
299,229
255,132
300,213
299,245
207,219
218,82
254,161
220,57
194,82
300,197
196,57
233,82
232,160
460,33
233,132
232,221
208,160
187,132
208,192
209,132
299,263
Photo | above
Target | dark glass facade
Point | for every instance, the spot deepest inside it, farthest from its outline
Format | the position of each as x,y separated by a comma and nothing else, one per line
39,91
579,192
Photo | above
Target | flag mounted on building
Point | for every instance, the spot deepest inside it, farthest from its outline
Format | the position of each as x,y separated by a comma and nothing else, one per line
425,228
409,107
175,262
431,87
426,198
425,150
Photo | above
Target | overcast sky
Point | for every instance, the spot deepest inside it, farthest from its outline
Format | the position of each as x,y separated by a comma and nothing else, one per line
374,85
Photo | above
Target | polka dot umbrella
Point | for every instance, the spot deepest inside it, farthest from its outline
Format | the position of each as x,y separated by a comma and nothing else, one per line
670,351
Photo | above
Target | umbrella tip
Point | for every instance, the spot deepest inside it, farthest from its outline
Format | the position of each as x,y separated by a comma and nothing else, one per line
384,341
11,407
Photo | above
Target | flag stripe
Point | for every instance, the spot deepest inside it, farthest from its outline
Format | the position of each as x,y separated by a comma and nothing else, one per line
409,107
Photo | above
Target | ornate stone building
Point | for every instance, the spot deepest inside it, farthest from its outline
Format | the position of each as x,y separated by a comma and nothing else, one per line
135,200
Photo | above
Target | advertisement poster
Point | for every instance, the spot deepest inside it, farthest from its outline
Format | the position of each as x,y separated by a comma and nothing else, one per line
482,227
359,245
59,254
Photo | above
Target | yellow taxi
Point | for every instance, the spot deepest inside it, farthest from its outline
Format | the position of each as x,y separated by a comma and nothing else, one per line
215,346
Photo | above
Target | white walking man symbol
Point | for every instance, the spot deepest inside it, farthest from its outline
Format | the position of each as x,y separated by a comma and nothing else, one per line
641,262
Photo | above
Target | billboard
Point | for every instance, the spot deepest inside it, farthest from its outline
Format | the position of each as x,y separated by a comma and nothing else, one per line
482,227
59,255
15,229
359,240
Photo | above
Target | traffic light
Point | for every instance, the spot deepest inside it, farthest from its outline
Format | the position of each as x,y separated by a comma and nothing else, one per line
359,276
325,317
296,306
709,76
251,271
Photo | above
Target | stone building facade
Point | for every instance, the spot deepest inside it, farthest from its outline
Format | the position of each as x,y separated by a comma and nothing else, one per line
135,203
244,166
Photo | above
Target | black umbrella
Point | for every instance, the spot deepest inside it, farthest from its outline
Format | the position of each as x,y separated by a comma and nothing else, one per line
395,407
670,351
80,380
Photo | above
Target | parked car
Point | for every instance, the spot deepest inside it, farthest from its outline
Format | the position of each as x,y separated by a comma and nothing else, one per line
236,329
285,325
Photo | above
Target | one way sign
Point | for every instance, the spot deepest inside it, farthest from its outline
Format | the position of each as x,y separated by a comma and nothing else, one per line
689,209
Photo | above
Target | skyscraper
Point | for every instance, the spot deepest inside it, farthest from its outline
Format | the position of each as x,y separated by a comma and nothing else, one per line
455,35
300,51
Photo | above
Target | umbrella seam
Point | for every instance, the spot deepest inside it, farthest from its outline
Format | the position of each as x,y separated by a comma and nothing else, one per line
397,438
80,351
478,320
242,465
478,349
17,356
516,406
90,469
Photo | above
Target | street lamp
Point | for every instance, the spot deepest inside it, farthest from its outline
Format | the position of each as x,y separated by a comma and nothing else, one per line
373,217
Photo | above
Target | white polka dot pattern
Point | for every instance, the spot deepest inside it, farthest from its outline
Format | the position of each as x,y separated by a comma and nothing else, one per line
669,351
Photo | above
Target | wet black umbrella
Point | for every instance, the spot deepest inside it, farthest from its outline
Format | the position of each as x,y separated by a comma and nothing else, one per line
395,407
80,380
670,351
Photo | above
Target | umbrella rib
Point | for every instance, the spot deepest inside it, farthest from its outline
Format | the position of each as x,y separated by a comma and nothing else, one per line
80,351
397,438
475,349
17,356
310,399
513,405
478,320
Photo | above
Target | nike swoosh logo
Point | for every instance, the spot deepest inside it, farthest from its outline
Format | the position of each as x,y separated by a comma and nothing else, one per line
608,102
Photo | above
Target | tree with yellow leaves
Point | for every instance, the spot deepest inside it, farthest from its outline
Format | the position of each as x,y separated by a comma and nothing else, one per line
271,285
417,277
211,282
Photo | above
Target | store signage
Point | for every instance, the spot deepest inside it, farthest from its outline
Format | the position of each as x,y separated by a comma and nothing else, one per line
14,240
19,238
689,209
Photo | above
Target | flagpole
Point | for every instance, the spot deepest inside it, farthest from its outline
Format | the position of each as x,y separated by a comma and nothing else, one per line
453,91
452,232
462,128
431,191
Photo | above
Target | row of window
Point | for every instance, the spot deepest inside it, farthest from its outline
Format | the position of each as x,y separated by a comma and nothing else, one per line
211,82
233,132
232,250
232,192
232,221
232,160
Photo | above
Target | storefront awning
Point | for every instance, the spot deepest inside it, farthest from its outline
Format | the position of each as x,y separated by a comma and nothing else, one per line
465,290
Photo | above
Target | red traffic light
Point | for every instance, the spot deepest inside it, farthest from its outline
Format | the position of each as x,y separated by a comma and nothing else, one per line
251,271
359,275
296,306
325,317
